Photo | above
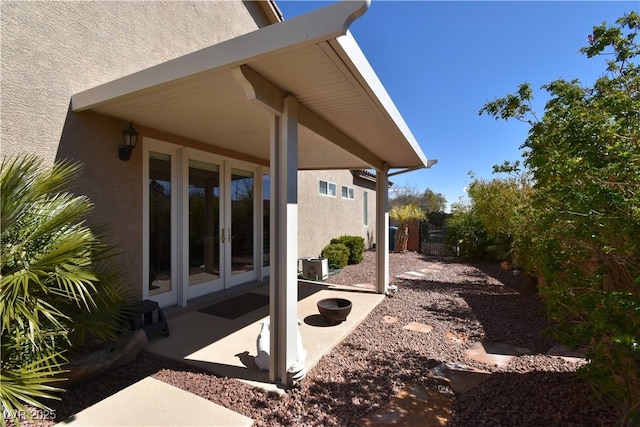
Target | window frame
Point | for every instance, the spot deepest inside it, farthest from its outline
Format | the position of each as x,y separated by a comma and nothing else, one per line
350,192
365,203
328,186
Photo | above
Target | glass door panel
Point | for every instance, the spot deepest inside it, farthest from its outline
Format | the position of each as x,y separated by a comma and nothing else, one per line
204,223
160,221
242,221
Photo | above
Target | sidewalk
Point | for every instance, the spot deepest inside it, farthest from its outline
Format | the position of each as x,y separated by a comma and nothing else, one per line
150,402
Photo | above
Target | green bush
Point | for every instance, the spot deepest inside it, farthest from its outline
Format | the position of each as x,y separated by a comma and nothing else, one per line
337,255
584,213
466,234
56,289
355,244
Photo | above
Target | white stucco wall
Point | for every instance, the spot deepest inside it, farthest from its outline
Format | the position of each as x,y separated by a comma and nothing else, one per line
322,217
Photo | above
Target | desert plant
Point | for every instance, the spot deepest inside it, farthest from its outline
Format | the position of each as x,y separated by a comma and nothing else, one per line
54,294
404,214
337,255
355,244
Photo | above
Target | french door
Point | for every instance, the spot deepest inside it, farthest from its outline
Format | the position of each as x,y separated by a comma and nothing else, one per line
203,229
240,220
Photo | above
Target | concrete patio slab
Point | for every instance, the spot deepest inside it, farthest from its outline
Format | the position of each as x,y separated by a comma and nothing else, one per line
151,402
227,347
224,347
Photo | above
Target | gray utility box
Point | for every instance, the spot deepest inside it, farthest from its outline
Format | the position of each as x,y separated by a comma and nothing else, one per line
315,268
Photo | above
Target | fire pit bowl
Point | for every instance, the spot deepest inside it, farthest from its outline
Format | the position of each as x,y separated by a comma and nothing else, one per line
334,310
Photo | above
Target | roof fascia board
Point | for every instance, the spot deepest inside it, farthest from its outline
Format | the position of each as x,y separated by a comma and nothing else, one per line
313,27
430,163
271,9
347,48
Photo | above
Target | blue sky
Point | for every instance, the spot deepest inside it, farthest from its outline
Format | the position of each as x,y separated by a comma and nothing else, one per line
442,61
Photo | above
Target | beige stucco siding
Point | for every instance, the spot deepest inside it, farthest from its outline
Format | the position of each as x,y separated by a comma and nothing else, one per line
52,50
324,217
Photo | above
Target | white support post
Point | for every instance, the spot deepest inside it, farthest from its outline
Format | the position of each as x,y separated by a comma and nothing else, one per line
382,229
283,283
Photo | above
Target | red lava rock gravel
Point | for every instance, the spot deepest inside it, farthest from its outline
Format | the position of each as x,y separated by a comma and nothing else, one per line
463,301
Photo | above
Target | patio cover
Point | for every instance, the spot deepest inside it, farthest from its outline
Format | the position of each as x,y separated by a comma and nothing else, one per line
295,95
346,118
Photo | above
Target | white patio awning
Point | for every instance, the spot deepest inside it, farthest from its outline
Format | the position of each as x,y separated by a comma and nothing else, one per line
346,119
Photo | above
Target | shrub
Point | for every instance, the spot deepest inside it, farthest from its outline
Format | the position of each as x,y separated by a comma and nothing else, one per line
337,255
355,244
466,233
55,291
583,153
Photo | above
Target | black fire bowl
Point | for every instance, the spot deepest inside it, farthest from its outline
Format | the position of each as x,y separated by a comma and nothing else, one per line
334,310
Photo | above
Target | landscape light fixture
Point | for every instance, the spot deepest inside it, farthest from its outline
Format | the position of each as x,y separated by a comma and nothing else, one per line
130,140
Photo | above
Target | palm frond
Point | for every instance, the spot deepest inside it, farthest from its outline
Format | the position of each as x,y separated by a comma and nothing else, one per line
23,181
30,383
52,288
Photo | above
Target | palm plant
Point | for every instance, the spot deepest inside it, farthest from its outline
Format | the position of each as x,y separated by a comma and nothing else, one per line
404,214
55,289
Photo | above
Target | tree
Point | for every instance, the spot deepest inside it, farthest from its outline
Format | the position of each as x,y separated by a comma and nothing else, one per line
584,156
503,207
432,201
55,292
404,196
404,214
429,201
437,220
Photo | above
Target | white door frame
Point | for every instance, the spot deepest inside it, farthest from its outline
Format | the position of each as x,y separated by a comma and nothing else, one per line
230,279
181,292
194,291
175,294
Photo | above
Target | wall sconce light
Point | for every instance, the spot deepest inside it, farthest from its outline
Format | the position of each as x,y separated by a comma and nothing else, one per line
130,140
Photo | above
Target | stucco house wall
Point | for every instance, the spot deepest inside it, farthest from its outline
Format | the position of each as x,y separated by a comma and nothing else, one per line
52,50
323,217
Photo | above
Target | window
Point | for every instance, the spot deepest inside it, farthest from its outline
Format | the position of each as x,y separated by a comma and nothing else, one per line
327,188
347,193
366,208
